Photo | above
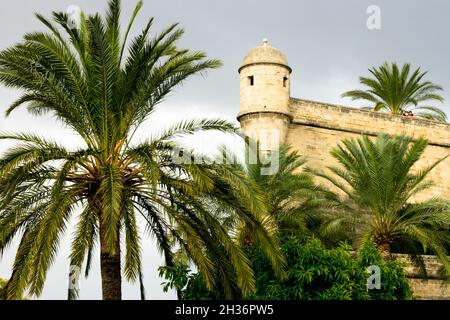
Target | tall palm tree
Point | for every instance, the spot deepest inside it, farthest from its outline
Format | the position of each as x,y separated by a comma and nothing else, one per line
377,182
87,81
397,91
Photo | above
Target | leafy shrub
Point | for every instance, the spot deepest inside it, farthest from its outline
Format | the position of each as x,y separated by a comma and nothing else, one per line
314,273
394,284
189,285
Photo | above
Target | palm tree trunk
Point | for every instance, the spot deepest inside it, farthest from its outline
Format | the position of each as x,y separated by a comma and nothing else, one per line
385,249
110,269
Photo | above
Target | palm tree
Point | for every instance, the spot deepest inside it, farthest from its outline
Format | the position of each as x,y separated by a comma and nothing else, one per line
294,200
88,82
397,91
2,284
377,183
297,203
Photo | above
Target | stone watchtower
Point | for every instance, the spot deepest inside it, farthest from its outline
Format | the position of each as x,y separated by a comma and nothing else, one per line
265,93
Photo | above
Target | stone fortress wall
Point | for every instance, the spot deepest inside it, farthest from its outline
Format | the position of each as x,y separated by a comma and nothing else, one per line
313,128
317,127
430,288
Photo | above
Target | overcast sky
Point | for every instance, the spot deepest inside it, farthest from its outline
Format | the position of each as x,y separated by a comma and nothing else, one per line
327,43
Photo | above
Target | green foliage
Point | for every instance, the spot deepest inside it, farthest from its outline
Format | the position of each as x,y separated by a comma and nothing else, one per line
394,284
3,283
189,285
314,273
397,91
378,180
3,296
104,87
318,273
293,198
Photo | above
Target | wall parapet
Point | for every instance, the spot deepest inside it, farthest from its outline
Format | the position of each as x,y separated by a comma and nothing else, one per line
354,120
